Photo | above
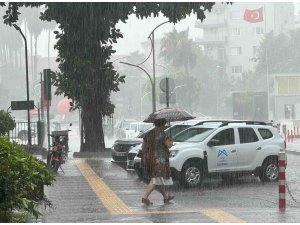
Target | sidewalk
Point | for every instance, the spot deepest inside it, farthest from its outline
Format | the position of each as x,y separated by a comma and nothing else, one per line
293,147
93,189
96,190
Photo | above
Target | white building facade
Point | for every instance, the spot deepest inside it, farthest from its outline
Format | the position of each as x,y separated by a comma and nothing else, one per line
233,41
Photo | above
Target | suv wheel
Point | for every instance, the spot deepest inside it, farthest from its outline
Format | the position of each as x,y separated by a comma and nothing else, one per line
138,170
191,175
269,171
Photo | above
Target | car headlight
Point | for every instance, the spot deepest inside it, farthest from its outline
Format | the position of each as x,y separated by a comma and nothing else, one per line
173,153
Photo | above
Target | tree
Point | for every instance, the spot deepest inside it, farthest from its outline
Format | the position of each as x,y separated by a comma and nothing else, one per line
130,93
195,74
85,46
280,53
178,49
35,27
10,45
7,123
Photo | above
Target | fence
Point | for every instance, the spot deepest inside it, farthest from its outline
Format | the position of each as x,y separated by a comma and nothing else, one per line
20,133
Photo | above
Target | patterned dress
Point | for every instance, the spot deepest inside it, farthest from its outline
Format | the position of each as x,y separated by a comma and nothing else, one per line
155,158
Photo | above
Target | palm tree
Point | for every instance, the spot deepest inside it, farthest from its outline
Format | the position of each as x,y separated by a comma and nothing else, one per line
178,49
50,26
10,44
35,27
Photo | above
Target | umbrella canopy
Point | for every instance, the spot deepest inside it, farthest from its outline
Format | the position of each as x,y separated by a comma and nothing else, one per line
169,114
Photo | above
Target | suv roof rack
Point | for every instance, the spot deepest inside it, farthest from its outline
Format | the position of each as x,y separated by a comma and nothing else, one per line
243,121
213,121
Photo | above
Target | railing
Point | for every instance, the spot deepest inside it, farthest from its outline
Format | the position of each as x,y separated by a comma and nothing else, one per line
20,133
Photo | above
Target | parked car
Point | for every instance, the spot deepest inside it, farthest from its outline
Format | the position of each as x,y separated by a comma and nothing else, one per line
122,146
228,150
137,128
123,125
171,131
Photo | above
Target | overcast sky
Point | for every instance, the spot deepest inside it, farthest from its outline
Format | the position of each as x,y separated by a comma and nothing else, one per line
136,31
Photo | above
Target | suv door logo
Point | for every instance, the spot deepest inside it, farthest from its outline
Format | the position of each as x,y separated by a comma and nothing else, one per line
222,152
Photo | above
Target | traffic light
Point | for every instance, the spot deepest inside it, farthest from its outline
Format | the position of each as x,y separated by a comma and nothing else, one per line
47,83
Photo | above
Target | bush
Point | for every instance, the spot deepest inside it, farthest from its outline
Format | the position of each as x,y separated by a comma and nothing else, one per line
7,123
22,177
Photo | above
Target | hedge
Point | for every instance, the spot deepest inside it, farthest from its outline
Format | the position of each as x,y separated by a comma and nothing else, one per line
22,178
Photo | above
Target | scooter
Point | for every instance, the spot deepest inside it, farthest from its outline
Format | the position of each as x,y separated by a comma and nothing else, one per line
56,157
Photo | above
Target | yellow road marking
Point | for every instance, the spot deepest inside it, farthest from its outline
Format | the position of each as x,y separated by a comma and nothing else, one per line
221,216
109,199
116,206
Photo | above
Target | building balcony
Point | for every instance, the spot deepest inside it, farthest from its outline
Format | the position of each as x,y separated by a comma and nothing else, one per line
211,40
211,23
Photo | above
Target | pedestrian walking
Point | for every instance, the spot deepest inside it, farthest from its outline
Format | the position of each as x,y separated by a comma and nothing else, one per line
155,161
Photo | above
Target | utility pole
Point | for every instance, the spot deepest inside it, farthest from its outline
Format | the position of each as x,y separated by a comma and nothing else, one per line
27,84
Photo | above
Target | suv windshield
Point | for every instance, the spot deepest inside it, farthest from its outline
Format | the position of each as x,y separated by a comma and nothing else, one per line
193,134
175,129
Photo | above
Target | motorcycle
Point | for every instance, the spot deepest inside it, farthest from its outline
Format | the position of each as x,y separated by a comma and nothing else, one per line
60,148
56,157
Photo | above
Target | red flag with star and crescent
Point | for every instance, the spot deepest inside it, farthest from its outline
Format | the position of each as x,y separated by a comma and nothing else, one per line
254,16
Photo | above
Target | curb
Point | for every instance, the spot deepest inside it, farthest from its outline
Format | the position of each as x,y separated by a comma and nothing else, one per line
292,152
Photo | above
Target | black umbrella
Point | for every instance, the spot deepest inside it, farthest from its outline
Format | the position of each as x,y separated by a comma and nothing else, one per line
169,114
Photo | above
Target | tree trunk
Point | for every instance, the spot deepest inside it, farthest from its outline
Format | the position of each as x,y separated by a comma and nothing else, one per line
92,108
93,132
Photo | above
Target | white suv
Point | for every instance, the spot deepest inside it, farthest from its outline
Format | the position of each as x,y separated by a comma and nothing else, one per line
226,149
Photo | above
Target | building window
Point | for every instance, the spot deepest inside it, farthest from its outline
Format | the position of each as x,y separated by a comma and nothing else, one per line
258,30
288,85
235,51
236,69
235,31
235,15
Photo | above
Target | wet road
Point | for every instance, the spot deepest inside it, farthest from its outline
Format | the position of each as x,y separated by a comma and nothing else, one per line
248,198
106,192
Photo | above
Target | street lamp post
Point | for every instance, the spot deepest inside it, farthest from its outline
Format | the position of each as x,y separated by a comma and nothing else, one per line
27,83
153,55
152,80
152,83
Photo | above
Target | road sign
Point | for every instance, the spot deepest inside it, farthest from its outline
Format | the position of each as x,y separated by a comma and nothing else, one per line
163,99
163,84
22,105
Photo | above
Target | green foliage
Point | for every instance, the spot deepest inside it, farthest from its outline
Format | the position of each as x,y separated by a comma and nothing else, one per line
7,123
22,177
85,46
179,50
280,52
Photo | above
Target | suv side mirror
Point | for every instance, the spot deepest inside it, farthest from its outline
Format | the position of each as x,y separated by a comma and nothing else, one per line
213,142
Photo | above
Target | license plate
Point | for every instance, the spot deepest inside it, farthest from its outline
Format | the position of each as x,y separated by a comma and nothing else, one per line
120,154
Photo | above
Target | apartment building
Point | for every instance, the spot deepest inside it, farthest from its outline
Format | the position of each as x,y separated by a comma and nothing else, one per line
232,32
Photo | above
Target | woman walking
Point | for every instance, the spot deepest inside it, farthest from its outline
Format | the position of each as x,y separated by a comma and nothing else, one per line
155,161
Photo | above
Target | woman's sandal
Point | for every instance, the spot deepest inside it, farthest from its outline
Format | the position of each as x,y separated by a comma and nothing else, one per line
167,200
146,201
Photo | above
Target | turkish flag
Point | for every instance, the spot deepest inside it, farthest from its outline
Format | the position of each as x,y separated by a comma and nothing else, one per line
254,16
